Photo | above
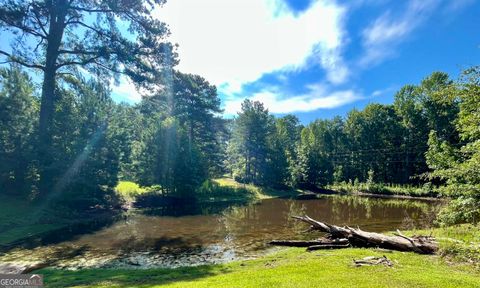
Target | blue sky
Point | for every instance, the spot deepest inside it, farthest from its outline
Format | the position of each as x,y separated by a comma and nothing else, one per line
318,59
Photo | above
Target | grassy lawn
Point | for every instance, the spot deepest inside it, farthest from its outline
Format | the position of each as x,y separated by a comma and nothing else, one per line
258,192
294,267
289,268
385,189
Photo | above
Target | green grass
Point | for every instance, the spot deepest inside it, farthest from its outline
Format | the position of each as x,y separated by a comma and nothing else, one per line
220,189
257,192
459,243
129,190
289,268
385,189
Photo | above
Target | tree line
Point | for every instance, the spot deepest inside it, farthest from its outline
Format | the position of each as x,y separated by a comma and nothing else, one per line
386,142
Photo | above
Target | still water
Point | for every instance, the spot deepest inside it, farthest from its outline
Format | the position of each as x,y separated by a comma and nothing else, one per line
144,239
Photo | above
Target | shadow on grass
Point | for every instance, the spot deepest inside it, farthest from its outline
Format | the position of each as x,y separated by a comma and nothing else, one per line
126,277
19,229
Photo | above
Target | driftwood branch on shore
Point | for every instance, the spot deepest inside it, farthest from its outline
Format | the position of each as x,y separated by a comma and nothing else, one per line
372,260
342,237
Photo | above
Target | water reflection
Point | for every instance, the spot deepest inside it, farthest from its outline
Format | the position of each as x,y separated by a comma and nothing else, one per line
230,232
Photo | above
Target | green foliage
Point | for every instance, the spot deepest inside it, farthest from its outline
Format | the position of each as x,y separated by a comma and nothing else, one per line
249,148
18,121
129,190
457,162
181,140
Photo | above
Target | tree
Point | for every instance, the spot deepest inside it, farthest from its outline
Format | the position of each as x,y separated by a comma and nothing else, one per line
373,136
316,149
167,159
248,147
195,104
458,164
60,36
282,145
18,121
89,146
440,105
415,128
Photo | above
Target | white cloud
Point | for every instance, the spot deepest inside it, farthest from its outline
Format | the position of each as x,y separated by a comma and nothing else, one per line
317,97
234,42
387,31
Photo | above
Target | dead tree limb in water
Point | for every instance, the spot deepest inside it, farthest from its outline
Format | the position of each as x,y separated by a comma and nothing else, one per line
359,238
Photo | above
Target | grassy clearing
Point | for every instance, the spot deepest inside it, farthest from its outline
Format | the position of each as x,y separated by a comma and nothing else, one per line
129,190
289,268
259,193
385,189
215,190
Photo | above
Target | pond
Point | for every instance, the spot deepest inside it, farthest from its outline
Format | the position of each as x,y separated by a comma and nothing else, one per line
144,239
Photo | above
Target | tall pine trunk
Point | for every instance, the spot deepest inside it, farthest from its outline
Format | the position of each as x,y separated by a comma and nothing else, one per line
47,105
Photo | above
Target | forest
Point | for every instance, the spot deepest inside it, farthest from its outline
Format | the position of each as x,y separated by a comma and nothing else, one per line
66,146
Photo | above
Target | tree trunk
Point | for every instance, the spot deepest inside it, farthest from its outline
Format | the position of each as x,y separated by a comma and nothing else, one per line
358,238
47,105
307,243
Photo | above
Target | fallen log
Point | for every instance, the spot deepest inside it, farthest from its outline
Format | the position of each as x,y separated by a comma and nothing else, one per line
342,237
359,238
308,243
327,246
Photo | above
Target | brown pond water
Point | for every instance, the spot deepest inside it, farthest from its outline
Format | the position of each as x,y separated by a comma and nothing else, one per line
144,240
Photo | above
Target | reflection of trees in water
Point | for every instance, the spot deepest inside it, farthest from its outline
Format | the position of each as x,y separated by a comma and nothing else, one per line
414,212
241,226
295,208
350,207
256,224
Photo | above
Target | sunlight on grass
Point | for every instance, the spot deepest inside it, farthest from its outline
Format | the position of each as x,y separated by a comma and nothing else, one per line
385,189
129,190
260,193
